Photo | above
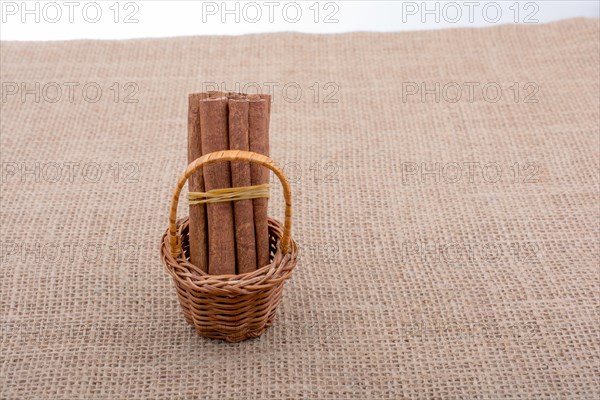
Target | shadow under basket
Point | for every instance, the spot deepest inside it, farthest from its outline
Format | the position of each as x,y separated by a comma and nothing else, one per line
229,307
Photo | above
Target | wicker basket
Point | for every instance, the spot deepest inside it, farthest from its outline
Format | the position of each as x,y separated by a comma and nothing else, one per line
229,307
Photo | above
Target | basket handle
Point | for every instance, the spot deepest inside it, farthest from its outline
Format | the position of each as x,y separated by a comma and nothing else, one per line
231,155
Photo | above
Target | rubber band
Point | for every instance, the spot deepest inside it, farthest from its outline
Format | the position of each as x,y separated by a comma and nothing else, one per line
229,194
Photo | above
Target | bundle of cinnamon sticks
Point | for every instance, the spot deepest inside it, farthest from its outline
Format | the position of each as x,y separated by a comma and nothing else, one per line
228,237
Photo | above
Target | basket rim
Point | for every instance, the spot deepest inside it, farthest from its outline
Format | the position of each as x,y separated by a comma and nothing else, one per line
278,270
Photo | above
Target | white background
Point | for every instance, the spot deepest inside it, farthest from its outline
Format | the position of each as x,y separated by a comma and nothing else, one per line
109,19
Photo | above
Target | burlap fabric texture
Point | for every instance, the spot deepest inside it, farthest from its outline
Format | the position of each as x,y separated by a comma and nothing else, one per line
416,279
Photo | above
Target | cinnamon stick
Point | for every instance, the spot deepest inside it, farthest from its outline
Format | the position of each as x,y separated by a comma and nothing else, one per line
258,134
197,212
240,176
221,240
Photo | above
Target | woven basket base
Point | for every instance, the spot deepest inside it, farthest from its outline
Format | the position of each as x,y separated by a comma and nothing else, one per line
229,307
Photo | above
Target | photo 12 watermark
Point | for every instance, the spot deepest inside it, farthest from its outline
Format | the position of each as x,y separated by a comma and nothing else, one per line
69,172
44,331
326,172
253,12
68,252
471,172
465,253
69,92
319,253
289,92
469,92
53,12
471,12
472,331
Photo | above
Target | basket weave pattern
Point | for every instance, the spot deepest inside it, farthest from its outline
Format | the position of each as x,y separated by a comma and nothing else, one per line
229,307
